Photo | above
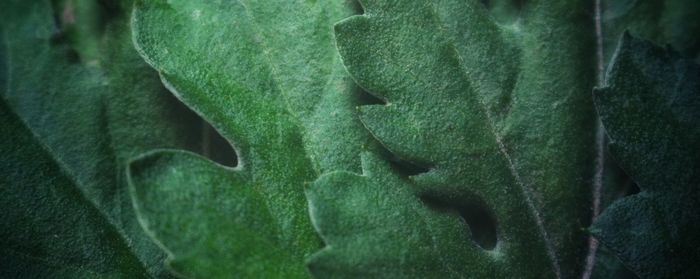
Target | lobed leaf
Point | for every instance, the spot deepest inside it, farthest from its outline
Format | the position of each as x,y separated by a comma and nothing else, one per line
504,123
650,111
268,77
93,105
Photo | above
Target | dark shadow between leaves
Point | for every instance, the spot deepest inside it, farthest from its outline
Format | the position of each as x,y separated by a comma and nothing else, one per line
356,6
199,135
364,98
473,212
204,139
403,167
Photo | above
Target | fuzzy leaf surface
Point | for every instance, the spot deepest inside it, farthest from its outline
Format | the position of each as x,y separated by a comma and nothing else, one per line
269,79
48,228
665,22
650,112
93,103
499,113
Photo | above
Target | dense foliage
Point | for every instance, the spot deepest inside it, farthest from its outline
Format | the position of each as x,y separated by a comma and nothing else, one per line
343,139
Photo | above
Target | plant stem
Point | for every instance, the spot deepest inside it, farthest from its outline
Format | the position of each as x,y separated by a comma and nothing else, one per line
600,145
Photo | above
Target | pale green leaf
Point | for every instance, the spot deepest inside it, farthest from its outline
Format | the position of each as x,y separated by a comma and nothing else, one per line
499,112
269,79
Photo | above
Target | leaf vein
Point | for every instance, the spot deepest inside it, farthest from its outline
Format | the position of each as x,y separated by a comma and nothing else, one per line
525,188
74,182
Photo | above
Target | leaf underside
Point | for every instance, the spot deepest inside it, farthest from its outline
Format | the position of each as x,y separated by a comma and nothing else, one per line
48,229
650,111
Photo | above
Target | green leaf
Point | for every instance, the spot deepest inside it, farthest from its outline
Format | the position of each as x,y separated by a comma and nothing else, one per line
184,216
269,79
92,115
616,185
665,22
502,117
650,111
48,228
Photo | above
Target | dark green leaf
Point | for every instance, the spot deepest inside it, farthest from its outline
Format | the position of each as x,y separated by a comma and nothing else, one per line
93,104
48,229
666,22
650,110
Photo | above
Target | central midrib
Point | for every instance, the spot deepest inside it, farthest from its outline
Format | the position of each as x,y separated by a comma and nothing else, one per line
274,72
525,188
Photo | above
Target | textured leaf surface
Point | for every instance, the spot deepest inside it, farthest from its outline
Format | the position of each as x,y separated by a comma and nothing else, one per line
665,22
499,112
94,105
650,112
267,76
48,229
